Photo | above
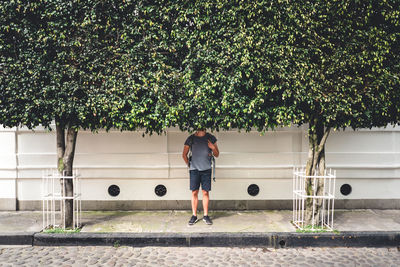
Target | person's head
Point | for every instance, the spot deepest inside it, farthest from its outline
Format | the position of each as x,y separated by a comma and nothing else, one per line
201,131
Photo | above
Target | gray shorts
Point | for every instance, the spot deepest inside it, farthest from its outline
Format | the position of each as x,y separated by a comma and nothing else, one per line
200,177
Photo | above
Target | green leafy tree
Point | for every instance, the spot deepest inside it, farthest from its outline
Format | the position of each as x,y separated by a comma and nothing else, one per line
54,68
262,64
83,65
341,70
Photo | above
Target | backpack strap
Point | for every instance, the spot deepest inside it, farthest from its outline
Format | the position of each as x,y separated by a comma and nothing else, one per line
208,136
191,142
190,148
212,158
213,167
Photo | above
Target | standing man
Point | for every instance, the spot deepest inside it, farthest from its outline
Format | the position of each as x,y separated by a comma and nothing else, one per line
202,146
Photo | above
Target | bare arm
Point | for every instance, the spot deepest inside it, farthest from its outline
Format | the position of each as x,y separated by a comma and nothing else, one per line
185,154
214,148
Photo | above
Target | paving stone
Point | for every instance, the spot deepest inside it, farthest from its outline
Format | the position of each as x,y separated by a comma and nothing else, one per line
171,256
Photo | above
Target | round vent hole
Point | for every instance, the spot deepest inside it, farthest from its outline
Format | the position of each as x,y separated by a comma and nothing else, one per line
345,189
113,190
253,190
160,190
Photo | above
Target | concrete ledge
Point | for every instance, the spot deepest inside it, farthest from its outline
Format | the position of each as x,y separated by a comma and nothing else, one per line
283,204
16,238
276,240
129,205
385,204
231,239
110,239
343,239
8,204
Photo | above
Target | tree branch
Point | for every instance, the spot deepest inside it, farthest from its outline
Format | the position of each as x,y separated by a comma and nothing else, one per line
70,150
321,144
60,136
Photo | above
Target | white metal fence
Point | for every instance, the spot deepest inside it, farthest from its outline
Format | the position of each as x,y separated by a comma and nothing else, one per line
54,196
325,198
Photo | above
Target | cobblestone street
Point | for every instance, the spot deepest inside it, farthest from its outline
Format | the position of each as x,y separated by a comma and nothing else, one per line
199,256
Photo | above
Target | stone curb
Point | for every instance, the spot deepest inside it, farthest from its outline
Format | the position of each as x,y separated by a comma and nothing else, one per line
276,240
24,238
343,239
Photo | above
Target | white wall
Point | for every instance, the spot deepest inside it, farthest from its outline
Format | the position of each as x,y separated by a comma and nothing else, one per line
8,169
368,160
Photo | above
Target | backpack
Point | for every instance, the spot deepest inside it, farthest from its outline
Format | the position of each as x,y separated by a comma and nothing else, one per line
212,156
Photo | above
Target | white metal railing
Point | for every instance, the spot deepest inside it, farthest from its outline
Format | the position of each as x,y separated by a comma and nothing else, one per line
53,193
300,196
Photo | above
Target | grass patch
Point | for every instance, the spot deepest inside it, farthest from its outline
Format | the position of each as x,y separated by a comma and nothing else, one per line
116,244
318,229
57,230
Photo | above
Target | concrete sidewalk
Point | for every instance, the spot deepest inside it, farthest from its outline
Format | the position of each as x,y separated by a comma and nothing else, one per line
224,221
228,226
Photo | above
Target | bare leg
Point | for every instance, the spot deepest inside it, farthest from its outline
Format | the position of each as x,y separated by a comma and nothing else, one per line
195,201
206,199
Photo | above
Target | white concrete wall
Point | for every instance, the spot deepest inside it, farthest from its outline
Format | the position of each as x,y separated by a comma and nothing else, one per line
368,160
8,169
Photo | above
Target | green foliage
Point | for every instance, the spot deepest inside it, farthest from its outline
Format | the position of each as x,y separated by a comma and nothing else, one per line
57,230
216,64
263,64
342,62
86,64
150,73
227,82
116,244
318,229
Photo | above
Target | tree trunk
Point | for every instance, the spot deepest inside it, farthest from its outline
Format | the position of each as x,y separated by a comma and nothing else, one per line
317,136
65,159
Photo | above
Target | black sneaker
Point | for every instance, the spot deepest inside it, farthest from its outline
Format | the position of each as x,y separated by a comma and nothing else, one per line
193,220
207,220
